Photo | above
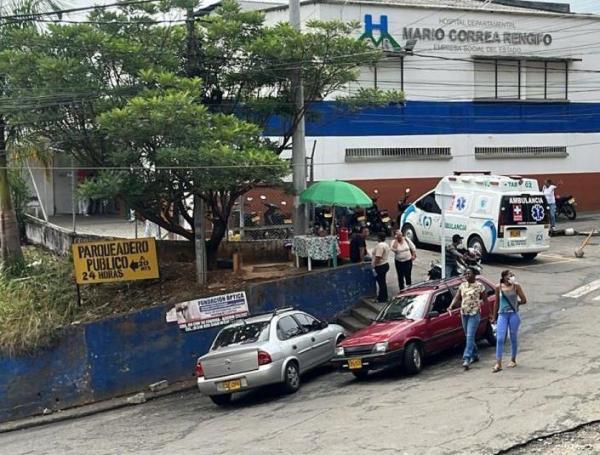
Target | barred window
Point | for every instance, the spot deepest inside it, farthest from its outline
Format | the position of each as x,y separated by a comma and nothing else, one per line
521,152
398,154
505,79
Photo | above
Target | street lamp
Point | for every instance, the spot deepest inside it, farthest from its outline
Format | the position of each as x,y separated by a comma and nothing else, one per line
444,197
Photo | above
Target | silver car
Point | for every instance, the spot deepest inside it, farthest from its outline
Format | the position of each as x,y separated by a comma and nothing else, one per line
266,349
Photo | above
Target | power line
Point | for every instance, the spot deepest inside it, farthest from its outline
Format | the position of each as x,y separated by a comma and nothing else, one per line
29,16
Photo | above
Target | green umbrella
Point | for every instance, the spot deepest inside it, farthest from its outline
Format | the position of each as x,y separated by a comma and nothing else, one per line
336,192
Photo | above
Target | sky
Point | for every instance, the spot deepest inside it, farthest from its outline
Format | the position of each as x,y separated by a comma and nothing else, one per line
578,6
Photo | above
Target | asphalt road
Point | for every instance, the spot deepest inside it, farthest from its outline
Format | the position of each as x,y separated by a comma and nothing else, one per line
442,410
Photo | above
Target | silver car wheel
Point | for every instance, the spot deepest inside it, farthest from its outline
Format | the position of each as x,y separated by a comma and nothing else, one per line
293,377
417,358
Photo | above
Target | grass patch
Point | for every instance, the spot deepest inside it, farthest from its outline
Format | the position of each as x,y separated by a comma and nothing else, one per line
37,305
34,306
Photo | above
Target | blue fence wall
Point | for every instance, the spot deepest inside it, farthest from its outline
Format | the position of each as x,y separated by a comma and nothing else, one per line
126,353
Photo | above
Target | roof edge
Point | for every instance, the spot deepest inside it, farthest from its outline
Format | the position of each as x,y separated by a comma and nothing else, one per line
552,7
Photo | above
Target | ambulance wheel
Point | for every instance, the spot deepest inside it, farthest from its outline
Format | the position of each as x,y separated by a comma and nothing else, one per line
477,244
409,232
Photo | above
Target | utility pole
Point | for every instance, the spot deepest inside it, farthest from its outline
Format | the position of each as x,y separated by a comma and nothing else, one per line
192,69
298,139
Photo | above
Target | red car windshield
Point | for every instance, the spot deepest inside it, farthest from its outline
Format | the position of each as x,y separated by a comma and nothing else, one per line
412,306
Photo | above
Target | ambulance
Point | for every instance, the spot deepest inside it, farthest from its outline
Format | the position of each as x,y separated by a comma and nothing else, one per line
494,214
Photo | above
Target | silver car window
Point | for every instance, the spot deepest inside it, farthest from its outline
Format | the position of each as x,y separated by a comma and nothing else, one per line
246,333
287,328
306,322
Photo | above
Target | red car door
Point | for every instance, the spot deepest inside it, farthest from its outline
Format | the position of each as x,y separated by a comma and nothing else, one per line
441,330
486,310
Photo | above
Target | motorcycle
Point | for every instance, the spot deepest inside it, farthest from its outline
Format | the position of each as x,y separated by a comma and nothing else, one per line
471,258
565,205
378,220
273,216
402,206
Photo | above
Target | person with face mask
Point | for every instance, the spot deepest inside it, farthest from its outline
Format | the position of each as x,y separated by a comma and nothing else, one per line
509,295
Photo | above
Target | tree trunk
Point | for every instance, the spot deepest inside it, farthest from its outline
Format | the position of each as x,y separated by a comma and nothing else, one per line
10,244
212,245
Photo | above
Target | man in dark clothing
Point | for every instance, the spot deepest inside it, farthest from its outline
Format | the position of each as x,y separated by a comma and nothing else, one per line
453,256
358,245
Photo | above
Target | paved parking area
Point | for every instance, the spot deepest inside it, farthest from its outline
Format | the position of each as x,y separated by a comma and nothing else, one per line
443,410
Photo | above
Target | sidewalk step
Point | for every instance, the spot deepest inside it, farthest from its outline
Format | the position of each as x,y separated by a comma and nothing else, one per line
363,314
372,304
351,324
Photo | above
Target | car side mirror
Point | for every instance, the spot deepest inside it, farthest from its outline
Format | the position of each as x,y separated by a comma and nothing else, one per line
320,325
433,314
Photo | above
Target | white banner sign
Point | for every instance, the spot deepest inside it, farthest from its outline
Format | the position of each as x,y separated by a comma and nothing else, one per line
209,312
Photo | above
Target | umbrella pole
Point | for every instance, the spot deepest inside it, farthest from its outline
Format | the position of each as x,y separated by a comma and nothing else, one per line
333,220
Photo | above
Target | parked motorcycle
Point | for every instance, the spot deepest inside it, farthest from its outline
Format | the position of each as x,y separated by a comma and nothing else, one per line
273,216
402,206
565,205
471,258
378,220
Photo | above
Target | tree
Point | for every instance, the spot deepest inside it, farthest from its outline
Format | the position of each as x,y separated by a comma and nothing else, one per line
246,66
11,255
170,148
70,83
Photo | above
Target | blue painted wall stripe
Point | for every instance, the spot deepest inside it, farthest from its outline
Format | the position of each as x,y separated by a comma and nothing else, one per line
433,117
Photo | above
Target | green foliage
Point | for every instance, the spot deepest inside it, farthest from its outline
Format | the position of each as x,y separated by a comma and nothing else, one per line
173,149
372,97
247,66
35,306
111,94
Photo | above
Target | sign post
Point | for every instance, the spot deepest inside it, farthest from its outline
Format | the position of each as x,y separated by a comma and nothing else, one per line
115,260
444,197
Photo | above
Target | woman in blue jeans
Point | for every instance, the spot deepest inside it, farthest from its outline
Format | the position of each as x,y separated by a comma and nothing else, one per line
509,295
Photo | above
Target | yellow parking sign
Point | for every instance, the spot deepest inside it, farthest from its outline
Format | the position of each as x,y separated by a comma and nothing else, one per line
115,260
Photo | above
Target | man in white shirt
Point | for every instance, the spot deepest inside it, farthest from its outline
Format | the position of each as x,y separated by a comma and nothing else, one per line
548,189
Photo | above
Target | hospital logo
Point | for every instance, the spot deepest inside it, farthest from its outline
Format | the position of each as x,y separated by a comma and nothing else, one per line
426,222
384,39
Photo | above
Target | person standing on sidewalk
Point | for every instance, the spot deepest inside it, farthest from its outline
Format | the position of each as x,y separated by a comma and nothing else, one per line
404,255
509,295
548,189
381,266
469,295
358,245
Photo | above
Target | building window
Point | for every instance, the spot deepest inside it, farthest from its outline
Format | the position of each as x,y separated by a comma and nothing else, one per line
521,152
504,79
387,75
397,154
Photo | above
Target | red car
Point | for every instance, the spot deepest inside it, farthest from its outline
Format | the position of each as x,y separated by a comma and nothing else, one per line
413,325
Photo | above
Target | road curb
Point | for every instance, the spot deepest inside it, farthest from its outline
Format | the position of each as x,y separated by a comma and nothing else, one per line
93,408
